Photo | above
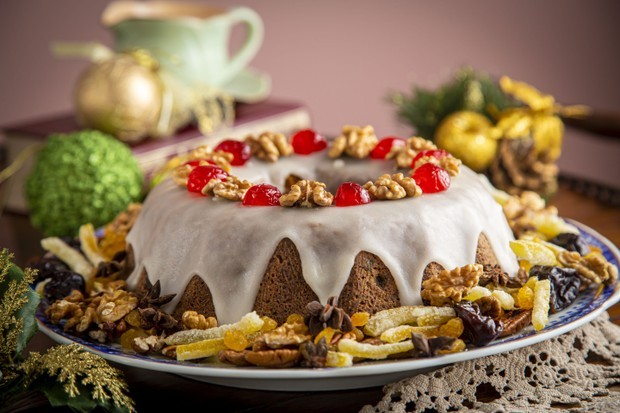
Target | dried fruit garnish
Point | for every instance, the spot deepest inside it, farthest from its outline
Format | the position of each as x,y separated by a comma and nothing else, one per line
308,141
240,150
351,194
431,178
571,242
262,195
565,284
62,283
387,146
201,175
480,329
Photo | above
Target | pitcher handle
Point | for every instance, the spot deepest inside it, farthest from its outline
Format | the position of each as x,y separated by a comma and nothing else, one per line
253,40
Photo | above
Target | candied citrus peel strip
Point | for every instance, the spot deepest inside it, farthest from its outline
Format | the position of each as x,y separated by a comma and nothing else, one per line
506,300
371,351
477,293
533,252
394,317
249,323
401,333
540,311
89,245
338,359
200,349
69,256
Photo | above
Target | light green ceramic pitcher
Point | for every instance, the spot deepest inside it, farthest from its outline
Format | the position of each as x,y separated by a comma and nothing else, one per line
189,40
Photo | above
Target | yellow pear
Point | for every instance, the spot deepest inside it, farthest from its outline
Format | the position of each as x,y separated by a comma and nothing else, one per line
469,136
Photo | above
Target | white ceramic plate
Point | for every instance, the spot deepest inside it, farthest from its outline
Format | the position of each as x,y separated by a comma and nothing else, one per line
586,308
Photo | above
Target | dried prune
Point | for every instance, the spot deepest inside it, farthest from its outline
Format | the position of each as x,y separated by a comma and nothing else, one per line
572,242
565,284
480,329
46,267
62,283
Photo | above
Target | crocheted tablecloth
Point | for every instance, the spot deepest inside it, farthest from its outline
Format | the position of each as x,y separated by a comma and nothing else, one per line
575,372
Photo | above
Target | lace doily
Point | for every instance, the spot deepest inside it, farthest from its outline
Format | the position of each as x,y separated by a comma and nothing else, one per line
575,372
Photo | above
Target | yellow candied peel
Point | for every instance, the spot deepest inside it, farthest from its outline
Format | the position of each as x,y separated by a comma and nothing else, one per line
371,351
393,317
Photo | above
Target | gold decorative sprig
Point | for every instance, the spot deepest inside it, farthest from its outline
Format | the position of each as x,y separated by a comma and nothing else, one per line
79,379
76,369
14,288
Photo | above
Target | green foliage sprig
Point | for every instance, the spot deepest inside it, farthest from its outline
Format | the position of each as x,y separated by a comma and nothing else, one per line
66,374
424,109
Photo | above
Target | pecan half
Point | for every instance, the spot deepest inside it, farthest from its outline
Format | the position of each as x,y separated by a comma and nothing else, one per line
280,358
236,358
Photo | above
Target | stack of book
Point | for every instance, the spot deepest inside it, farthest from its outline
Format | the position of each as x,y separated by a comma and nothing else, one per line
273,115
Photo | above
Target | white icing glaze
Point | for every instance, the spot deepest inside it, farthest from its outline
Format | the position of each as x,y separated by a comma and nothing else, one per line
179,234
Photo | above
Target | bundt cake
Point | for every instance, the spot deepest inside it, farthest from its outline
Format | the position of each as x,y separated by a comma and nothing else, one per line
226,259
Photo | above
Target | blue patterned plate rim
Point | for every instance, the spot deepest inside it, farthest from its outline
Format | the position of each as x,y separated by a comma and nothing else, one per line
586,308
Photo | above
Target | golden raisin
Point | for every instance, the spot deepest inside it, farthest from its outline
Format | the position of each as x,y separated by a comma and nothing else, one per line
235,340
134,318
525,298
128,336
453,328
360,319
327,332
268,324
295,319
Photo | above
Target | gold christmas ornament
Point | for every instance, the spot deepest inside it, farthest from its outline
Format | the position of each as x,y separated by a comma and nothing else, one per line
121,95
469,136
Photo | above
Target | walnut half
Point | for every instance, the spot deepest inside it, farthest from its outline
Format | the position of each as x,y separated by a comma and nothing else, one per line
449,286
307,194
269,146
394,186
355,141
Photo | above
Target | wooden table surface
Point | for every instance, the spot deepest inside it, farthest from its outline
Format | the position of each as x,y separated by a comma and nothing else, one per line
155,391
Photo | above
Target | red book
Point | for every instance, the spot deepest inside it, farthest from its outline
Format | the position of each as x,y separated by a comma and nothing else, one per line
274,115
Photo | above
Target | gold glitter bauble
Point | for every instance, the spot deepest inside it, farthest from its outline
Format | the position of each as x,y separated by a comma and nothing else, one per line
469,136
121,96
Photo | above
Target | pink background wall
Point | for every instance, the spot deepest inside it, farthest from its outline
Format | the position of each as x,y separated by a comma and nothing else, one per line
342,57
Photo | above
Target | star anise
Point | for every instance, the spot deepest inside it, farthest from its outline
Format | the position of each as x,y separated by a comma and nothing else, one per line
314,354
429,347
151,296
319,316
119,267
157,319
149,303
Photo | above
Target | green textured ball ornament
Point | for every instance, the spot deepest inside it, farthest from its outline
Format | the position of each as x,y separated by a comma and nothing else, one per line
78,178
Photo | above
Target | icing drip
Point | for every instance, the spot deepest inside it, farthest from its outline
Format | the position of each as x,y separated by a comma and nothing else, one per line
179,235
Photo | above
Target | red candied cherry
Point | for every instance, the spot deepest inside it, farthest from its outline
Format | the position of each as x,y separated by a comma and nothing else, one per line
240,150
201,175
308,141
262,195
431,178
435,153
385,145
351,194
